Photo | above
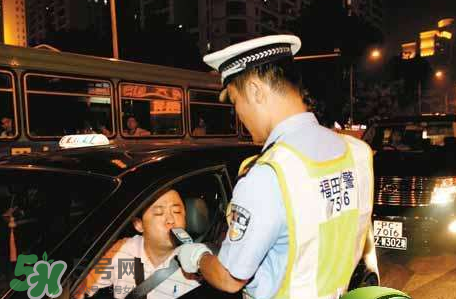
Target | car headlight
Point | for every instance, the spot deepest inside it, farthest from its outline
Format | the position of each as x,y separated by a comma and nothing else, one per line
444,191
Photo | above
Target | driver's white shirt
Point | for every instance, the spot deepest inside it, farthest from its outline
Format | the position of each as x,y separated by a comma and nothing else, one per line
122,254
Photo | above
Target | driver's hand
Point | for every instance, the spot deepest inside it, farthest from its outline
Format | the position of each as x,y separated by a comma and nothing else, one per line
190,254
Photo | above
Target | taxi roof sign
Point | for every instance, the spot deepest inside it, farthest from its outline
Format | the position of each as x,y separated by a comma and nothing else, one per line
83,140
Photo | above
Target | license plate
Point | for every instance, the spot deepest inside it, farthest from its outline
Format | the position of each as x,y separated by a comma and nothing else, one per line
388,234
391,243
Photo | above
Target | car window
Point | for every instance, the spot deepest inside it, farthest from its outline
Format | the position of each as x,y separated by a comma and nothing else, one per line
410,136
197,202
39,210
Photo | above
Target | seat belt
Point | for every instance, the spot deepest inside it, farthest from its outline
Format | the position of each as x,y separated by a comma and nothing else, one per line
139,273
144,287
153,281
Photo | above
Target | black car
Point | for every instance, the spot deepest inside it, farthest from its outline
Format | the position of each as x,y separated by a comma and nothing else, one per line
415,182
73,204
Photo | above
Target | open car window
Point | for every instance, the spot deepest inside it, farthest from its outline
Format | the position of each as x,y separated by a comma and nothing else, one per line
197,203
411,136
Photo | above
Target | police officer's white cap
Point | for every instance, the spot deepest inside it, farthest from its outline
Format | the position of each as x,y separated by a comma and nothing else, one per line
236,58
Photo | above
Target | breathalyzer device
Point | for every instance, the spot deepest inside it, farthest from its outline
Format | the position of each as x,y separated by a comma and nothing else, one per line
180,236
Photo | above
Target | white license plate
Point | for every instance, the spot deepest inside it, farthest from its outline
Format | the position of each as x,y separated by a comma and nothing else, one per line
388,234
391,243
387,229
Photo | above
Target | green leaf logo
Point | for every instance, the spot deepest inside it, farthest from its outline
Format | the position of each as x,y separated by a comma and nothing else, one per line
375,293
50,261
45,256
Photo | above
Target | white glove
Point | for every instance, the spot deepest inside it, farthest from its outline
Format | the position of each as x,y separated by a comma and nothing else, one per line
190,254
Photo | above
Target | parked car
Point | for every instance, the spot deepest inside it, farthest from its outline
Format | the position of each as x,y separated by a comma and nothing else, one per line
415,182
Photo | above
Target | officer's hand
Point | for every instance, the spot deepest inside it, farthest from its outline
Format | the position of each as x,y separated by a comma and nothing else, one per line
190,254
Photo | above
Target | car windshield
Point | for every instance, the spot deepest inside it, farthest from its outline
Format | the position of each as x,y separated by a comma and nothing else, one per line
410,136
38,210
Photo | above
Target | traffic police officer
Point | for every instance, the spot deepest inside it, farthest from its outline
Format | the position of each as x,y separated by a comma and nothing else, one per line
300,213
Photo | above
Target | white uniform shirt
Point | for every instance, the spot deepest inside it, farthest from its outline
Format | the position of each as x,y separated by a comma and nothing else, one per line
260,249
123,281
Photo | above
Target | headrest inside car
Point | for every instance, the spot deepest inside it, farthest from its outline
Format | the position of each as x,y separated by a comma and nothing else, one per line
197,216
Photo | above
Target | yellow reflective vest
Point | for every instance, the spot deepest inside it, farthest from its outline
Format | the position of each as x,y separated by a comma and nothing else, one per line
328,208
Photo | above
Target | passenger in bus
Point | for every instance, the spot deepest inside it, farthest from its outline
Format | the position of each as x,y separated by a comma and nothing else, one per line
7,127
200,129
87,129
133,128
104,130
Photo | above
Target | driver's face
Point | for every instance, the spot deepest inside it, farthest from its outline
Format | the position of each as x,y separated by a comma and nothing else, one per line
166,213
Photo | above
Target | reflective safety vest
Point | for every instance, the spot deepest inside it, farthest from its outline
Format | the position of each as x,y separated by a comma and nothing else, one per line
328,208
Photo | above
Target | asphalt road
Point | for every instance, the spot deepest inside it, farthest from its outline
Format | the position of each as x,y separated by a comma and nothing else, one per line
420,276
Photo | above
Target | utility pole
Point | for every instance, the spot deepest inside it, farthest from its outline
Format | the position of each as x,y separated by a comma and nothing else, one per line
115,44
297,58
351,94
419,97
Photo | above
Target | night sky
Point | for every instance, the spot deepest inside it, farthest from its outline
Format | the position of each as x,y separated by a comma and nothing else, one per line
404,19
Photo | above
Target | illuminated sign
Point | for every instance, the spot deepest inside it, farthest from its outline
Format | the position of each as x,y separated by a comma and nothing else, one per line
102,91
151,92
165,107
445,22
83,140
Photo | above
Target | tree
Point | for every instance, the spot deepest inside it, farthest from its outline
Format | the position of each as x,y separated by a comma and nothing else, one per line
324,27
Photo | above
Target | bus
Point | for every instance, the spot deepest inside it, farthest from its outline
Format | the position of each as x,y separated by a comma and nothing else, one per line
46,94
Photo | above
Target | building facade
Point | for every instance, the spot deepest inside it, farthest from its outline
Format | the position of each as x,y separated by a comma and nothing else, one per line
14,23
214,24
1,21
437,47
372,11
224,22
45,16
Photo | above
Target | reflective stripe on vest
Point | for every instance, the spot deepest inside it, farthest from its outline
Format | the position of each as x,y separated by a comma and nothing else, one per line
328,208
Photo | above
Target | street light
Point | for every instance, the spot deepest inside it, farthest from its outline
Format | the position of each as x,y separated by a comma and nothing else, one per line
375,54
439,74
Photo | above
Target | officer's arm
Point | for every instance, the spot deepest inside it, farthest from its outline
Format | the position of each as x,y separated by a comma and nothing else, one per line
214,273
259,222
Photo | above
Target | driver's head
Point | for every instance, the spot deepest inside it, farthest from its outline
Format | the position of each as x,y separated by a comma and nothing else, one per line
166,212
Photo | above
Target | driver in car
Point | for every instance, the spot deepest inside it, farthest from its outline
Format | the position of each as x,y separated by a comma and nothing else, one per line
155,249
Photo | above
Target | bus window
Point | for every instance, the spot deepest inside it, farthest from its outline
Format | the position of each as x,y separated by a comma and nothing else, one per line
8,123
208,117
151,110
58,106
